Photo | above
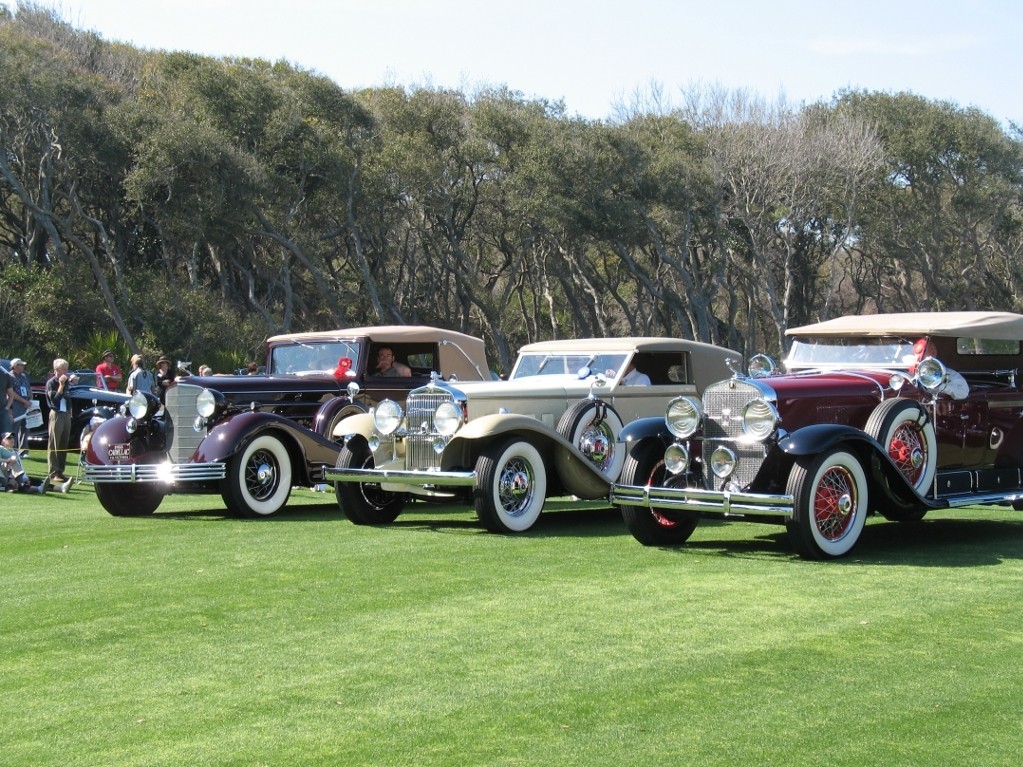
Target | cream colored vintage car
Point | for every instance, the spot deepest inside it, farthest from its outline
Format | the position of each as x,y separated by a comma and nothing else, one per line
504,446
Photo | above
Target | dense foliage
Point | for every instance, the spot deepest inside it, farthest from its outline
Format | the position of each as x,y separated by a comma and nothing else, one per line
192,206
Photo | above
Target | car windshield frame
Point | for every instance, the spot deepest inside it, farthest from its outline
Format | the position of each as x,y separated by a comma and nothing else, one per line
313,358
834,353
570,363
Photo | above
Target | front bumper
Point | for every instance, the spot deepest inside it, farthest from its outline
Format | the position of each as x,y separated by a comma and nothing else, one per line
130,473
404,477
697,499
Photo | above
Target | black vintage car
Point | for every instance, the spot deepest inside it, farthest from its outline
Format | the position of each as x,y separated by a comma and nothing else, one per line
251,438
91,403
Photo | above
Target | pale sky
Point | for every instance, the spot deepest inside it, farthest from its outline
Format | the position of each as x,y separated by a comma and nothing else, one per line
593,54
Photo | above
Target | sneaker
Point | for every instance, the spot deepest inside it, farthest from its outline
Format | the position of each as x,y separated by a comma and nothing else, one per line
58,478
23,454
67,485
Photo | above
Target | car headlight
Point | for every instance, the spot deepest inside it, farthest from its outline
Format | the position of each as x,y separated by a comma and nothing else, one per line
683,416
762,366
387,416
676,459
138,406
722,462
759,419
206,403
447,418
931,374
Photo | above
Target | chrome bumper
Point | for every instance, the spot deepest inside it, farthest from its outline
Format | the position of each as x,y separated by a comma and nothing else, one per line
154,472
697,499
402,477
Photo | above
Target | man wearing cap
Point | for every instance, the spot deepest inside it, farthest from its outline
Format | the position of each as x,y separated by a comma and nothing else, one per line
21,401
110,371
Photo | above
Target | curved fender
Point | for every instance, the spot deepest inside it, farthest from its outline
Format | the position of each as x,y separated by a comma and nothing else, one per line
822,436
644,428
819,437
578,476
228,436
360,425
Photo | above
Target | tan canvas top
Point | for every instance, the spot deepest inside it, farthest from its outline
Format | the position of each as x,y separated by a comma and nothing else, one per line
624,344
994,325
451,361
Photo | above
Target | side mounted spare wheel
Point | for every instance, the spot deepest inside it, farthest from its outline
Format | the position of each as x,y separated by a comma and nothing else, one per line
906,432
593,427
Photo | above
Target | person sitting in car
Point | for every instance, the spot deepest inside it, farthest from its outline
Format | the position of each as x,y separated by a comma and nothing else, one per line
387,365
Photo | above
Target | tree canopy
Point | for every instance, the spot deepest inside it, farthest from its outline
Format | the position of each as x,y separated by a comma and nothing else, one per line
181,204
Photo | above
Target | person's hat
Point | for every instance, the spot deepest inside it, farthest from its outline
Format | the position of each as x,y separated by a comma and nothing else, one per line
108,353
7,435
17,361
163,360
136,358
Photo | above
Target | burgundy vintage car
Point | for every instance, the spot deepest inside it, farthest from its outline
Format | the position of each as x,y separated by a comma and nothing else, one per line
251,438
894,413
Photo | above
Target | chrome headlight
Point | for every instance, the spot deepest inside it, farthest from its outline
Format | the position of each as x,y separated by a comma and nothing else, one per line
722,462
447,418
138,406
759,419
931,374
683,416
206,403
676,459
762,366
387,416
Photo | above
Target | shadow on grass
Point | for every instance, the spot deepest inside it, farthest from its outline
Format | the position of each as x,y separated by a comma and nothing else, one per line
309,512
944,542
560,519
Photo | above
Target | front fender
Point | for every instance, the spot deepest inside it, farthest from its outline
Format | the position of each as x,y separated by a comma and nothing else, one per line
823,436
577,475
645,428
360,425
228,436
884,474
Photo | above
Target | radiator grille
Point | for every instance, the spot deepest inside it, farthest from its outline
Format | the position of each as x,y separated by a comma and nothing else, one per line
179,407
723,405
419,409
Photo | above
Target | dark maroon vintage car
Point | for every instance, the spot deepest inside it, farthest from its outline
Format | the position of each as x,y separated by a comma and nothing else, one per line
895,414
251,438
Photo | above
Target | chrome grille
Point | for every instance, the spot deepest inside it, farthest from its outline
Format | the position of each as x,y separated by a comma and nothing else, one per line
179,408
723,405
419,409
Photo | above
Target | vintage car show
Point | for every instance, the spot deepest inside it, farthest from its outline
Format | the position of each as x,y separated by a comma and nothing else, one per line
446,383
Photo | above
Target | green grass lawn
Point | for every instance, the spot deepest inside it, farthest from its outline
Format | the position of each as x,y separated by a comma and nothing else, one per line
190,638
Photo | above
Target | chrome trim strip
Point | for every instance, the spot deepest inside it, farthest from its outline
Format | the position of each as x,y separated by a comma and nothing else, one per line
402,477
695,499
154,472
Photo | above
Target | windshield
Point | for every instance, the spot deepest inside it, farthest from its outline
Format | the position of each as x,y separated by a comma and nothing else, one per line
567,363
850,353
313,358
